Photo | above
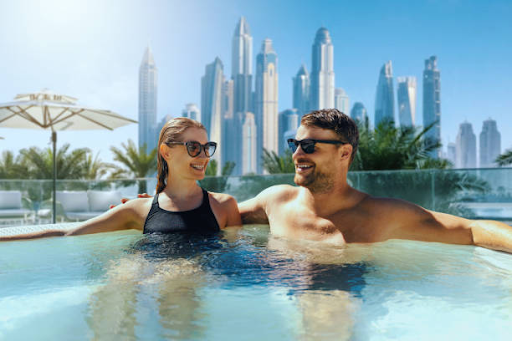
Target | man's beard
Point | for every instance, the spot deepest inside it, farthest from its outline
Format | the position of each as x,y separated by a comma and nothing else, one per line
316,182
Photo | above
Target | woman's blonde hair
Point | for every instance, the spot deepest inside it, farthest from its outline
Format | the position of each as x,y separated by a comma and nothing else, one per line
171,132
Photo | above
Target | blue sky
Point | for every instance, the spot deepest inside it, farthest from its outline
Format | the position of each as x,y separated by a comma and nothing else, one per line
92,50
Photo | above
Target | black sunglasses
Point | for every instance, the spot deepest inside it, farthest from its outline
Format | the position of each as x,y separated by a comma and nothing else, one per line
308,145
194,148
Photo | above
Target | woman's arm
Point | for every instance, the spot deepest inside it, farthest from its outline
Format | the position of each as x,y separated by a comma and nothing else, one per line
128,216
225,209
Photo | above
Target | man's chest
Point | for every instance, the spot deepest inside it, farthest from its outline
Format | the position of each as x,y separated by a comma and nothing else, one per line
344,227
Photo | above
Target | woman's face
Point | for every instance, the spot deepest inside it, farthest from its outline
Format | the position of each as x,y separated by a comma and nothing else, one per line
180,163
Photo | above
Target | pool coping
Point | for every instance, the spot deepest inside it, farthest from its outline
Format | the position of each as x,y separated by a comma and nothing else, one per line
25,229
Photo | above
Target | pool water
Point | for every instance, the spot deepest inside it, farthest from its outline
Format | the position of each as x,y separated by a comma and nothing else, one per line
248,285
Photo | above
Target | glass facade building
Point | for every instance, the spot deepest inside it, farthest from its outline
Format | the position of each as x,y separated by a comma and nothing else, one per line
465,154
266,103
341,101
148,86
384,98
432,101
490,144
301,91
322,71
406,96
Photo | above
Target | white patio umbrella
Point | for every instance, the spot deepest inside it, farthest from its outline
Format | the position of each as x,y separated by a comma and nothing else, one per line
50,111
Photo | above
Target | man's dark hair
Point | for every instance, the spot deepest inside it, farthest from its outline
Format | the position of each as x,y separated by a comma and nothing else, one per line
335,120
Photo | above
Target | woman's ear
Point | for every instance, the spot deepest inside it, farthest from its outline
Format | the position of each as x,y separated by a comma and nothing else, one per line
165,151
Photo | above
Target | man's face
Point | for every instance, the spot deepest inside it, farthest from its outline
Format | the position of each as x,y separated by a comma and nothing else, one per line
316,171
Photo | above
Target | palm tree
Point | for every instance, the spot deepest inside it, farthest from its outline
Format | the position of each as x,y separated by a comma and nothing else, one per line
70,164
11,167
275,164
505,158
389,147
138,162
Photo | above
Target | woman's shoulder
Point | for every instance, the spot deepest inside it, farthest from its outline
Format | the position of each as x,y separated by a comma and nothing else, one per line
222,199
139,206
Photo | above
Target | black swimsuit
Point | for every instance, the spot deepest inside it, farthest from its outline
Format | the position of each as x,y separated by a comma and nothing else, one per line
198,220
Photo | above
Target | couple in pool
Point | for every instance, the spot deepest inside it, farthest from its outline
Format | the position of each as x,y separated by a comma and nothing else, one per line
324,207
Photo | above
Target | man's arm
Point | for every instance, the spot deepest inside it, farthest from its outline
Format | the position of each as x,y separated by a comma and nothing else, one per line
252,211
416,223
255,210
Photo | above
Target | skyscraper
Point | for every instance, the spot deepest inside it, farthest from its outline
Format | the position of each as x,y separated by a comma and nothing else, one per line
288,123
322,72
148,83
406,95
490,144
241,63
452,153
212,104
341,101
384,99
301,88
432,101
249,144
466,147
243,120
358,112
266,101
192,111
230,139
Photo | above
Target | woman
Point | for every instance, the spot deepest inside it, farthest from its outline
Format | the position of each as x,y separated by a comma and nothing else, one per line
179,205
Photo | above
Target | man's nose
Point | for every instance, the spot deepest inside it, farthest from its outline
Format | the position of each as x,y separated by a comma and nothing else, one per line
298,151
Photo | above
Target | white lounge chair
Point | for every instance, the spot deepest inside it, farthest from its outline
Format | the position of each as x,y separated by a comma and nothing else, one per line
11,208
81,205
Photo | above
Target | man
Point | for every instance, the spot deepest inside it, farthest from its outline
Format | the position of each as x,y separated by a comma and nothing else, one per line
326,208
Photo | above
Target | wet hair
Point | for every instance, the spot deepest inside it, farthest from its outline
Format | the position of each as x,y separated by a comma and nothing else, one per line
334,120
171,132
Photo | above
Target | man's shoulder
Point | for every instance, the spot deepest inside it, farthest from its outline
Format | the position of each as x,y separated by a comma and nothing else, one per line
389,206
279,193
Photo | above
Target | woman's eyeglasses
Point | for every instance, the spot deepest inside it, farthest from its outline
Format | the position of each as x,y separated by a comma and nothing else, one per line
308,145
194,148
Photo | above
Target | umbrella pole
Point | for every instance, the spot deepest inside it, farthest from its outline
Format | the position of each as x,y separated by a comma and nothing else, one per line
54,202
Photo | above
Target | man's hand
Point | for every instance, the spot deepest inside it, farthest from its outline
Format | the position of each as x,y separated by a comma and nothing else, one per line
125,200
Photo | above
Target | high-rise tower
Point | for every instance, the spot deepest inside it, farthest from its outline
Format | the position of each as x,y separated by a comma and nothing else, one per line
406,95
288,124
192,111
266,101
341,101
211,104
148,83
490,144
358,112
384,99
432,101
301,86
465,153
241,71
322,72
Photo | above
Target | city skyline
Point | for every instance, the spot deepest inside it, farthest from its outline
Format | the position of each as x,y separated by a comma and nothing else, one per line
107,68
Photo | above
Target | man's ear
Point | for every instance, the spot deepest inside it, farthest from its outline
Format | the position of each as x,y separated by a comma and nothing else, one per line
345,151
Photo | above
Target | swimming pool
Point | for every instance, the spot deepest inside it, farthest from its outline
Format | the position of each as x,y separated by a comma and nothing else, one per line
248,285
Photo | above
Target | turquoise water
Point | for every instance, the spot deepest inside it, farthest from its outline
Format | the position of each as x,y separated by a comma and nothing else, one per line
247,285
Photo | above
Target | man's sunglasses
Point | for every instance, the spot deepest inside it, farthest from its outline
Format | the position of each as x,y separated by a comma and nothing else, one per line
308,145
194,148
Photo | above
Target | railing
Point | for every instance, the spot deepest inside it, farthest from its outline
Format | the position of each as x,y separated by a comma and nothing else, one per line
472,193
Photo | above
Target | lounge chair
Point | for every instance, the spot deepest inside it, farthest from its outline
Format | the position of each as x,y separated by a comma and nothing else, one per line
82,205
11,208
